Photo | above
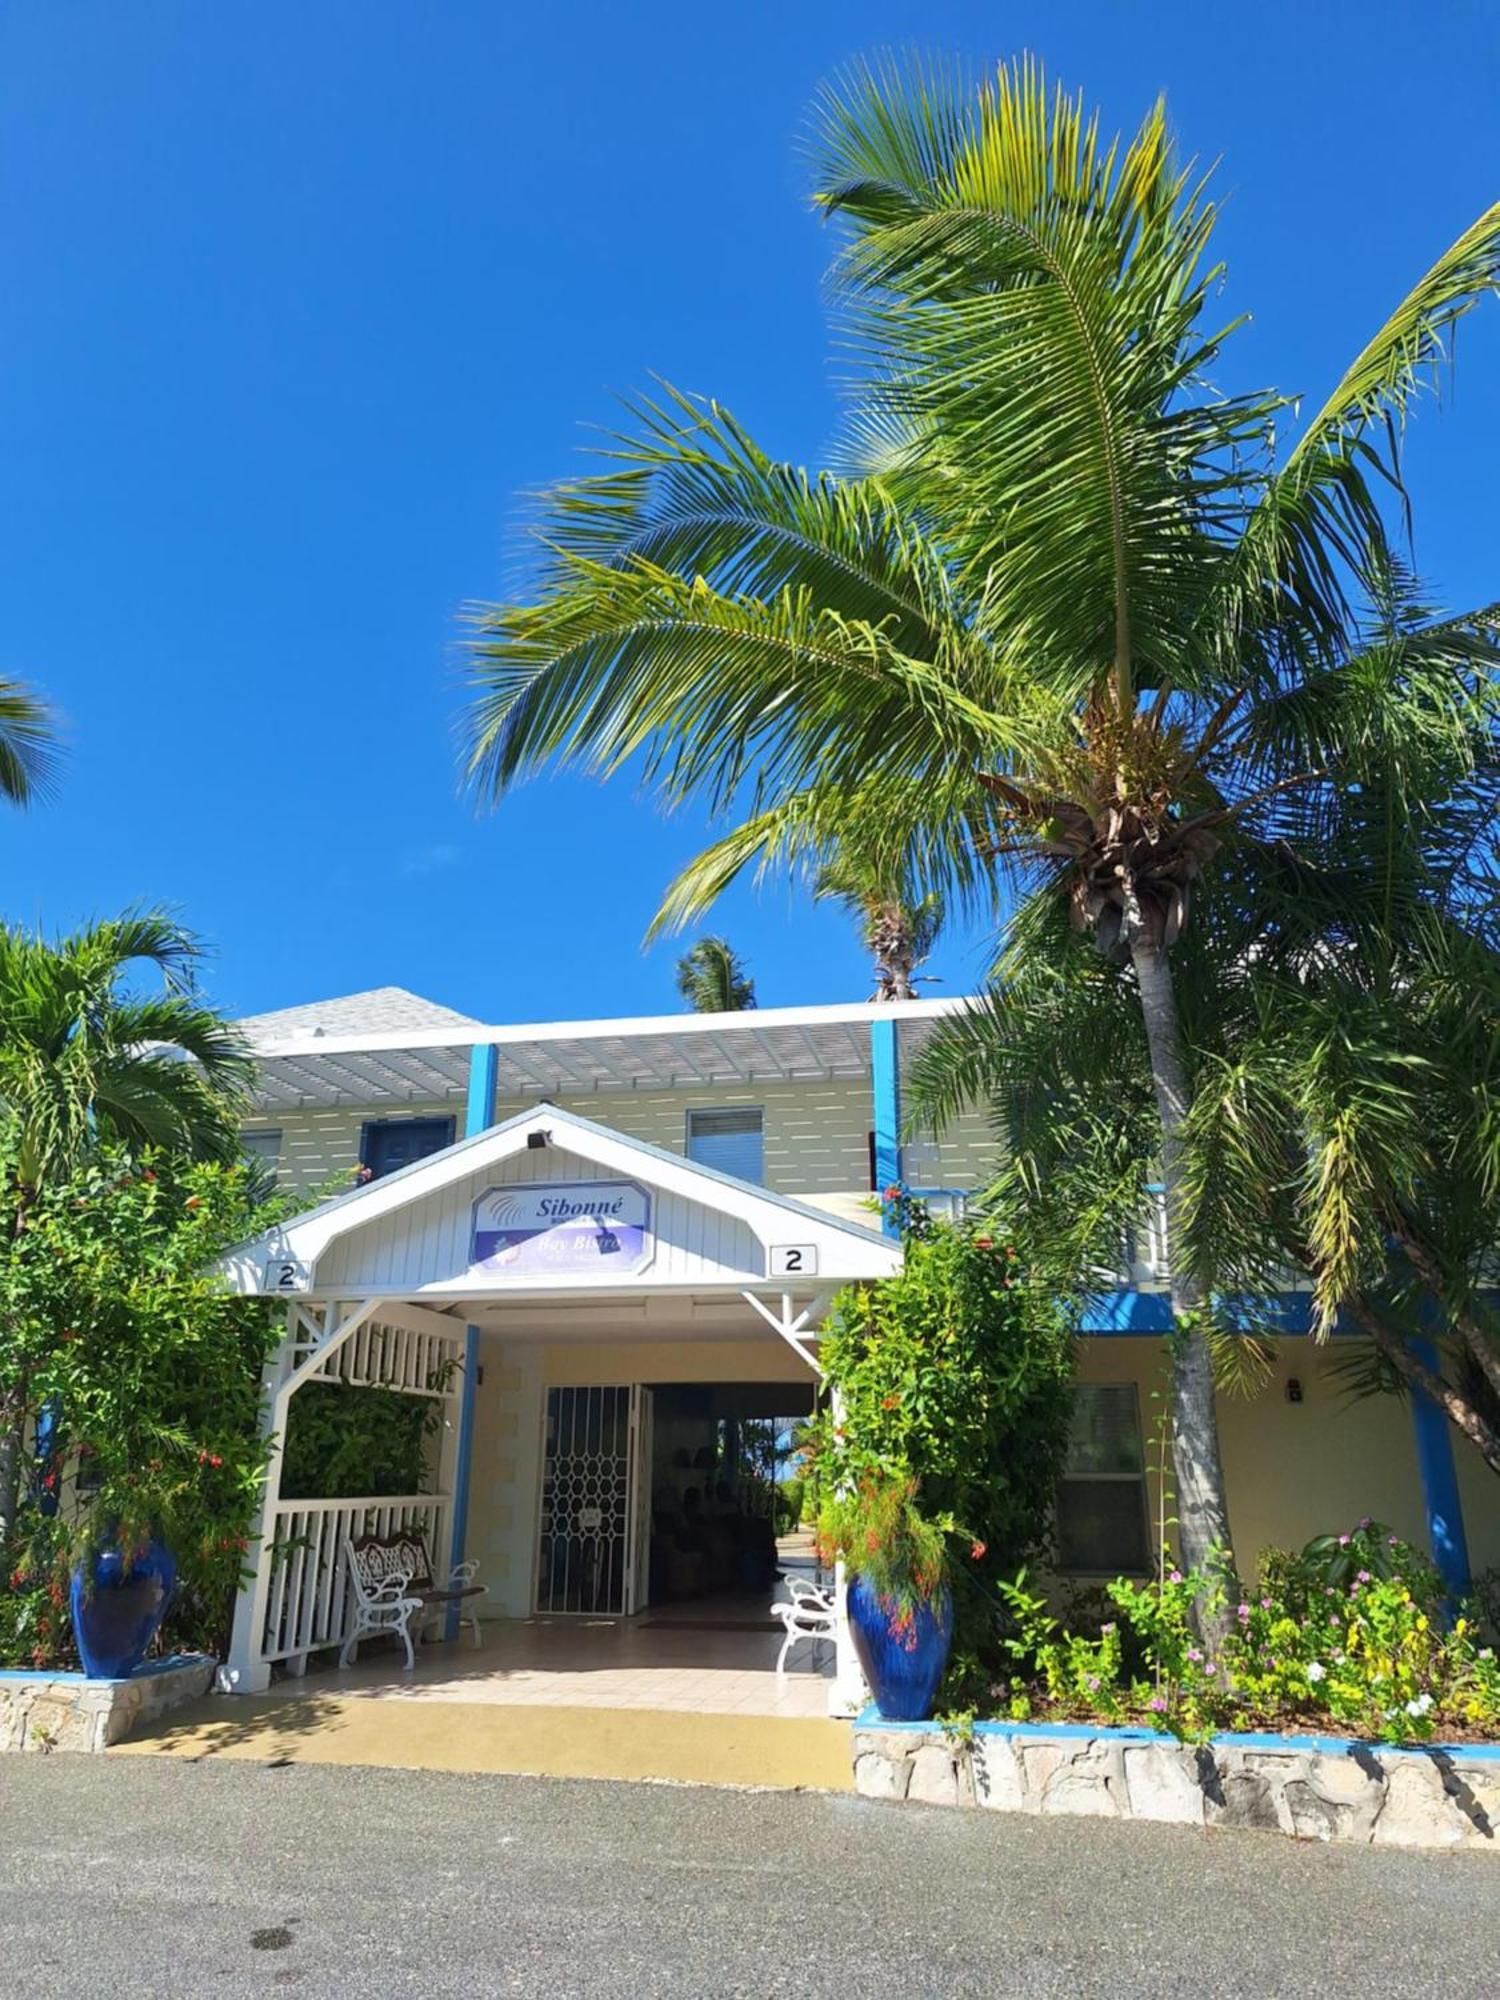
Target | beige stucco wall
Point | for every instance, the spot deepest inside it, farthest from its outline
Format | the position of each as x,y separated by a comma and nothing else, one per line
1295,1470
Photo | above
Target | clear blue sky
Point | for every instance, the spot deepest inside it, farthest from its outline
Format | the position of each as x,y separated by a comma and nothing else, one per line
299,299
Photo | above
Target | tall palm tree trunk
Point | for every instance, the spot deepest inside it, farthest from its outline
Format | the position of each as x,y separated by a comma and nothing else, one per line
1198,1472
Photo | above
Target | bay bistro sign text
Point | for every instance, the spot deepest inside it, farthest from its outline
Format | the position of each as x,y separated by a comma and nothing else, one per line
563,1228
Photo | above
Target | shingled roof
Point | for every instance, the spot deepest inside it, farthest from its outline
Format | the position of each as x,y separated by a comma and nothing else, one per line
381,1009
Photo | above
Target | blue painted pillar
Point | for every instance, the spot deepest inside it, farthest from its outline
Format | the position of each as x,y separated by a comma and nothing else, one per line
1445,1518
479,1115
885,1095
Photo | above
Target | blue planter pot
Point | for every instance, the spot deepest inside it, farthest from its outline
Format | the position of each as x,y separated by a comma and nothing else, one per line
117,1612
902,1667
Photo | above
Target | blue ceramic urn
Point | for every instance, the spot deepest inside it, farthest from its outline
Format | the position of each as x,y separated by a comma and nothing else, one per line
118,1608
903,1660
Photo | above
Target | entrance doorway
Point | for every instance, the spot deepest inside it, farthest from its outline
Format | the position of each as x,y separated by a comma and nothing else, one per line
721,1498
674,1498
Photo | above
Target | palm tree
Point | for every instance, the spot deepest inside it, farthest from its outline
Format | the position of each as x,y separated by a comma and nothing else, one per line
1075,614
28,742
899,924
711,977
83,1062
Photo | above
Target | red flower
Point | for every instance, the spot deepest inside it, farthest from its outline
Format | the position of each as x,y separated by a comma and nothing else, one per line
214,1459
984,1242
979,1550
194,1201
890,1402
894,1191
148,1175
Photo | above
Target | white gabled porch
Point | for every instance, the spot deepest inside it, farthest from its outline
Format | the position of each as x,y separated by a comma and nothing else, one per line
541,1283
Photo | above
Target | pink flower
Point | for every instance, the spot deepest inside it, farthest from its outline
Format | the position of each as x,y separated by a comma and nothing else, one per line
1194,1655
1158,1703
1242,1612
1344,1541
1175,1576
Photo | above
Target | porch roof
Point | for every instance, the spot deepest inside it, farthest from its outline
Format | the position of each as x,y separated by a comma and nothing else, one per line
330,1066
411,1234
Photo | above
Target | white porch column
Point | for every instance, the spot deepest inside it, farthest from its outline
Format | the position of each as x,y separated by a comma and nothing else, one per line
245,1672
849,1692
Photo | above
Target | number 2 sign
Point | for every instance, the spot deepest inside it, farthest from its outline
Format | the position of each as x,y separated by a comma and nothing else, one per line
794,1260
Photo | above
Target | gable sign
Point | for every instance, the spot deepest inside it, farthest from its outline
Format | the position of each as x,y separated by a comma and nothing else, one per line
557,1228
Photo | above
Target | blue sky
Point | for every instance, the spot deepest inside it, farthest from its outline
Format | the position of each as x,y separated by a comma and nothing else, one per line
301,299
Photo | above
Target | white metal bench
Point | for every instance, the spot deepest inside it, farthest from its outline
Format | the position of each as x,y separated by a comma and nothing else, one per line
395,1591
807,1614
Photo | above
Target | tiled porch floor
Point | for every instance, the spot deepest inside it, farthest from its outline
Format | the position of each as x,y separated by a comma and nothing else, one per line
588,1663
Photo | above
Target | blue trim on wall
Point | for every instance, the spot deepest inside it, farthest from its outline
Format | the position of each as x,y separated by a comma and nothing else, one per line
1445,1516
885,1098
479,1115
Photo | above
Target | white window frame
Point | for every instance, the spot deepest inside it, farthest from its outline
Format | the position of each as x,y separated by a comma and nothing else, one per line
1131,1479
695,1111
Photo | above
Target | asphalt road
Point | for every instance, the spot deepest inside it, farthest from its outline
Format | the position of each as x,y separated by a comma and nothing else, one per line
129,1877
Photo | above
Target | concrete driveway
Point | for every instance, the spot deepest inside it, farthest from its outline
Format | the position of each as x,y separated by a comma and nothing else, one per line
142,1876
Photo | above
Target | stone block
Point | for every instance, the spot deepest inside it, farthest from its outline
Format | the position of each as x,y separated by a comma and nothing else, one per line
1088,1784
999,1781
934,1776
879,1777
1038,1763
1241,1795
1334,1798
1162,1783
1418,1811
53,1722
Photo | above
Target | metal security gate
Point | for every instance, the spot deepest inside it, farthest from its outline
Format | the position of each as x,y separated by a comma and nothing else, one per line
590,1498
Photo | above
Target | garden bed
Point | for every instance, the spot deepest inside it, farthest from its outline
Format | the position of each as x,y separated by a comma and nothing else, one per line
1311,1787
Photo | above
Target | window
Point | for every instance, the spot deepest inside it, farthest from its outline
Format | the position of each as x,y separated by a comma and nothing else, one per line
262,1149
1101,1497
732,1142
388,1144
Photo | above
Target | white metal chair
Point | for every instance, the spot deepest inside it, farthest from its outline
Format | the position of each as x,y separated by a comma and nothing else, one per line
394,1591
808,1613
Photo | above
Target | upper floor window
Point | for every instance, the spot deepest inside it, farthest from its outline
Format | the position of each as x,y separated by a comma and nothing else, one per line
1102,1513
732,1141
262,1148
388,1144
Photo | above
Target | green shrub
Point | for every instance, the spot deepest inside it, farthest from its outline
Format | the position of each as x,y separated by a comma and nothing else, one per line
109,1313
345,1442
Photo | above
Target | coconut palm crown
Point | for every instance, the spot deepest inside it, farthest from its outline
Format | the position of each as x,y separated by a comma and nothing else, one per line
1072,612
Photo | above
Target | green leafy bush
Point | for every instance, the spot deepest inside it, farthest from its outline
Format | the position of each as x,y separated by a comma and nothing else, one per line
343,1442
877,1530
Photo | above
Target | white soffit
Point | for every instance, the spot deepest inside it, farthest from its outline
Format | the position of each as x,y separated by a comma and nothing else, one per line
664,1052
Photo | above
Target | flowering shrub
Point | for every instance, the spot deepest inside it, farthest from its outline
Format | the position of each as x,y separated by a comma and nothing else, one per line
1353,1632
956,1373
106,1306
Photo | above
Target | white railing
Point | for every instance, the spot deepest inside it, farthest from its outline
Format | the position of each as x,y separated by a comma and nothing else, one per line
308,1602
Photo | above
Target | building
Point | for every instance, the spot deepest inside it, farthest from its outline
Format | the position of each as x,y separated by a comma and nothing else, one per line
604,1246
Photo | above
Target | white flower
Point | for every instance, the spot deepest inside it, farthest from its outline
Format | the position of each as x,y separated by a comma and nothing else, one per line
1488,1653
1420,1705
1316,1671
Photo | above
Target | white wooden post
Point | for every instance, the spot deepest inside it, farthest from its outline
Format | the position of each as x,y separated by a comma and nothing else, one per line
245,1672
849,1692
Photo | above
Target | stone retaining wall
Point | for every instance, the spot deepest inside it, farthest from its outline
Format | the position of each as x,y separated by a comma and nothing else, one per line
1314,1788
43,1711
